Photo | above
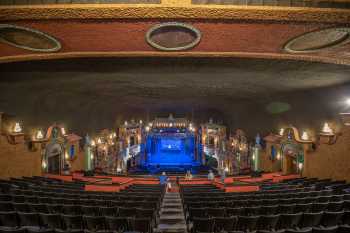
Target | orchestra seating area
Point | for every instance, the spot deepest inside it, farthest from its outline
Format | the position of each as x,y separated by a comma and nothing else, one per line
47,205
299,205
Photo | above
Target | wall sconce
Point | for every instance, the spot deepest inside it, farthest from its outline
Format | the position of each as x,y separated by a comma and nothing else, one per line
327,135
305,136
16,136
39,135
63,131
326,129
93,143
17,128
281,132
43,164
278,157
147,128
141,122
300,166
125,123
99,141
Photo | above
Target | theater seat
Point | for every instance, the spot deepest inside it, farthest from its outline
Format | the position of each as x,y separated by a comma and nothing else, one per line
299,231
325,230
29,221
51,221
117,224
12,230
8,220
225,224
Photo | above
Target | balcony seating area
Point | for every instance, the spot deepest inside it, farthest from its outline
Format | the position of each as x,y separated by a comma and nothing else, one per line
46,205
299,205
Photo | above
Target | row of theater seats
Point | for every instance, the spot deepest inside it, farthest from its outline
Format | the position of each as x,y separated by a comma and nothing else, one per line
18,222
40,204
299,222
292,207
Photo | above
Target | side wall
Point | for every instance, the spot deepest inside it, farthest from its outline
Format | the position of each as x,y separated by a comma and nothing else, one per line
330,161
17,160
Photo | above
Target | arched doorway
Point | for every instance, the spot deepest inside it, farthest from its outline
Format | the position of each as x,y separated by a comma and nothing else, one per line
292,157
54,153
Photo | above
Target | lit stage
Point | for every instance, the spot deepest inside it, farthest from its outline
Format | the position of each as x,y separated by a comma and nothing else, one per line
169,150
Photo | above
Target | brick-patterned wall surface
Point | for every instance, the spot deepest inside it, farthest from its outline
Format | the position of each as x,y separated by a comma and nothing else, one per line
17,160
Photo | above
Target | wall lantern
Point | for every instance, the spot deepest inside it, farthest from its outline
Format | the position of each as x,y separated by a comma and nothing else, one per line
327,135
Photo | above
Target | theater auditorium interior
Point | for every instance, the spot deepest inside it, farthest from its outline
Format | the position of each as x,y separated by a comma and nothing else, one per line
175,116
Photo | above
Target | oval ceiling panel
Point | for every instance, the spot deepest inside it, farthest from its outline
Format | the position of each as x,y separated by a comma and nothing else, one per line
317,40
173,36
29,39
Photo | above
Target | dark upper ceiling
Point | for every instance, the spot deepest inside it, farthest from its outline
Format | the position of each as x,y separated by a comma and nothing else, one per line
91,94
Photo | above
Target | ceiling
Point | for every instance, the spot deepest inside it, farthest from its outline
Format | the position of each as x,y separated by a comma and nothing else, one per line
256,95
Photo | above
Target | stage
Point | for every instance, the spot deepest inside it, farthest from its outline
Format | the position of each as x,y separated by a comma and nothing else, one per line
170,151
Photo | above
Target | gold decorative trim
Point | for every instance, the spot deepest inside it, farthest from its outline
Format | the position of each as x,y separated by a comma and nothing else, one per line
52,56
179,11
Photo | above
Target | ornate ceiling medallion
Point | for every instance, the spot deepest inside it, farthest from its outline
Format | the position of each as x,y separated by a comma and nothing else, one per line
173,36
318,40
28,38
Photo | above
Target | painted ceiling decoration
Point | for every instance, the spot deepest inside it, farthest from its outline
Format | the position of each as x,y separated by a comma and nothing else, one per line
173,36
28,39
318,40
